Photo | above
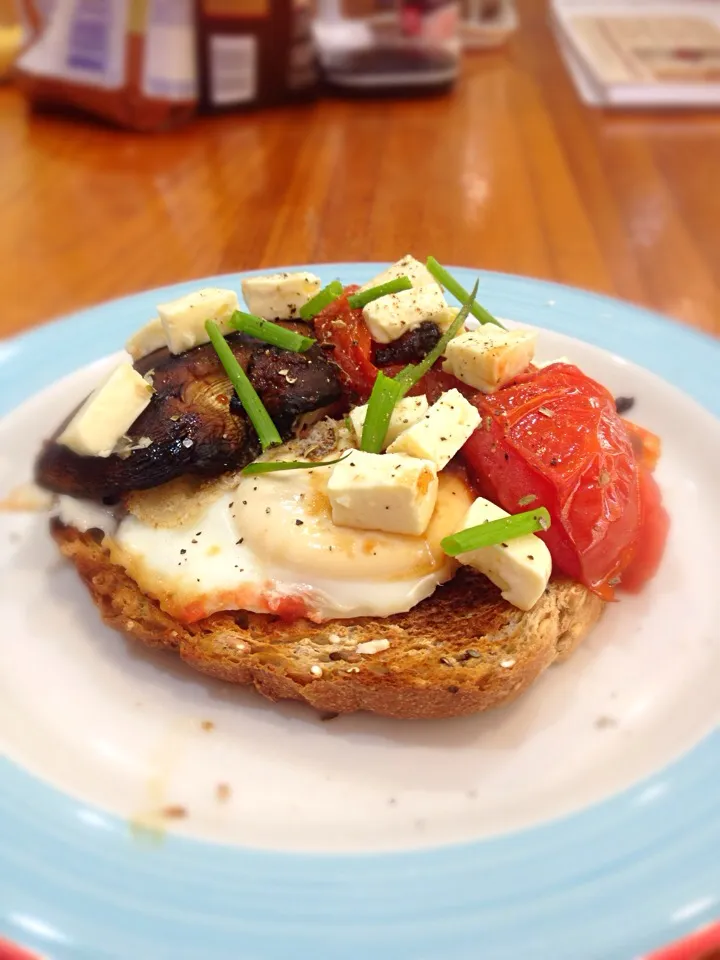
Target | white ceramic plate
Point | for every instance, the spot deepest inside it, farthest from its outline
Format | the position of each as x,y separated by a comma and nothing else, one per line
126,732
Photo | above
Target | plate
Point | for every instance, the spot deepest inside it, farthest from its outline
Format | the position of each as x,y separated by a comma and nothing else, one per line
148,812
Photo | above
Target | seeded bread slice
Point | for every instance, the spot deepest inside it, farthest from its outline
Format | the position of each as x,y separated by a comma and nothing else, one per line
461,651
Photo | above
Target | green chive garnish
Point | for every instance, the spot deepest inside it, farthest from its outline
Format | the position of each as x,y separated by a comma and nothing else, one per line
321,300
410,375
459,292
270,332
273,466
383,289
496,531
385,394
259,417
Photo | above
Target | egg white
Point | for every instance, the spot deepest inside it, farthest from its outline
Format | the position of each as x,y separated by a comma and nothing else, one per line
269,546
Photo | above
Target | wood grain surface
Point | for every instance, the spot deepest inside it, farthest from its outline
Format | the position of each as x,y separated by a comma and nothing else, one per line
510,172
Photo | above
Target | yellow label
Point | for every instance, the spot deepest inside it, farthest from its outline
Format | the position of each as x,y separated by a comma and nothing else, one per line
137,16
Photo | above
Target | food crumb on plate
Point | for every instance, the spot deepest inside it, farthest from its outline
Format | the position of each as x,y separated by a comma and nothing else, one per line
223,792
26,498
207,725
603,723
174,811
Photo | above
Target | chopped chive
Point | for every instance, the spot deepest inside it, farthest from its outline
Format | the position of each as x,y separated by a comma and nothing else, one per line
410,375
321,300
381,290
385,394
270,332
273,466
459,292
259,417
496,531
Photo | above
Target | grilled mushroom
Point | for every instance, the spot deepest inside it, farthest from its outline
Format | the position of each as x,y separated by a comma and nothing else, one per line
194,424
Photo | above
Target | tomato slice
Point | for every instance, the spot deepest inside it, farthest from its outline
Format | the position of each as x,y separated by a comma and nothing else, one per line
652,536
344,329
553,438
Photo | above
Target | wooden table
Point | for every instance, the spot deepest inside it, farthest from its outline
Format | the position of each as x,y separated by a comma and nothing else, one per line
509,173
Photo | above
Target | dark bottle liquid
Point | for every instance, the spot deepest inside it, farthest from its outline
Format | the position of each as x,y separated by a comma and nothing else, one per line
410,46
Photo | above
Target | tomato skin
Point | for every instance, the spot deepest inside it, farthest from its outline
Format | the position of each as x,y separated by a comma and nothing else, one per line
646,445
652,534
345,329
555,434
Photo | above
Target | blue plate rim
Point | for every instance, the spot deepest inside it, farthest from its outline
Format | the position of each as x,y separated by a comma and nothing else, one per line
545,891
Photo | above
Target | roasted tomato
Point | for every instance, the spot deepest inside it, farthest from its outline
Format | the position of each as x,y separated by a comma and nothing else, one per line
344,329
650,543
553,438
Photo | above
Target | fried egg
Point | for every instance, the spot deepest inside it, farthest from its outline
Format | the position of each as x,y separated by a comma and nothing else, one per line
268,545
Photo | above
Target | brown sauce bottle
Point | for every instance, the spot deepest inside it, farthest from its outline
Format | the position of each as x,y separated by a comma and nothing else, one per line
254,53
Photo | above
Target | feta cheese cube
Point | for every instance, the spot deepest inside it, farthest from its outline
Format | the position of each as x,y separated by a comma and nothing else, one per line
279,296
443,430
416,272
147,339
391,316
541,364
521,567
406,413
375,491
108,413
184,319
489,357
445,320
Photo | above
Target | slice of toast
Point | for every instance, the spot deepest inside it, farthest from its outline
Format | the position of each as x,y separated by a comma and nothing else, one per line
462,650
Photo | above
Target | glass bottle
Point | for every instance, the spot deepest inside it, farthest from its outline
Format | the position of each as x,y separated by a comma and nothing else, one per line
388,45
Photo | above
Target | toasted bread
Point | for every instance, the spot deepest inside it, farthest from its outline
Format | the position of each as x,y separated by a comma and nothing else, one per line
462,650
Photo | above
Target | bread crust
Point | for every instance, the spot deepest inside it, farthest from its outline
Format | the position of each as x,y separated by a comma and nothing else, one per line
462,650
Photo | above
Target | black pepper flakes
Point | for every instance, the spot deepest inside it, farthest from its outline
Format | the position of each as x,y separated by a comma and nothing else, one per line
299,523
453,689
267,509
